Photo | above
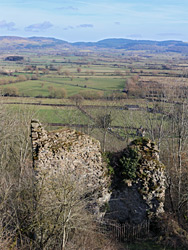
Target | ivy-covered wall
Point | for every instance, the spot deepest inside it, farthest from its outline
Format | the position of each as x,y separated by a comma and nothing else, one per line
138,182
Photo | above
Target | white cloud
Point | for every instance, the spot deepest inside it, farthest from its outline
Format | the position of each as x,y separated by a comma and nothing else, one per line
39,26
8,26
85,25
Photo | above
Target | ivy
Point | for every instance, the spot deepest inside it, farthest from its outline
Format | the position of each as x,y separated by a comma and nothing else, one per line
107,159
129,164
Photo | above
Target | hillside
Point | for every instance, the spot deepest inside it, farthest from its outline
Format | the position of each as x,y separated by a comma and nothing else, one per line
128,44
19,43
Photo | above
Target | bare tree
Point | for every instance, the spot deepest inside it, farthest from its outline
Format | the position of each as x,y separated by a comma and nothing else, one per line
177,143
37,214
79,70
104,123
78,99
167,123
16,176
60,209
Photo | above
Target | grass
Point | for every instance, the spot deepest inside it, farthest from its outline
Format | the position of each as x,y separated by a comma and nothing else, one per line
49,114
40,88
104,66
104,80
125,118
112,142
31,88
98,102
120,117
98,83
62,115
35,100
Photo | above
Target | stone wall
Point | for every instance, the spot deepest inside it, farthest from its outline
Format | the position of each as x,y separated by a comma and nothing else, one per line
130,199
62,150
140,193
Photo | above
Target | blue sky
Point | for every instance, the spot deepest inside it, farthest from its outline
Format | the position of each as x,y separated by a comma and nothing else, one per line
93,20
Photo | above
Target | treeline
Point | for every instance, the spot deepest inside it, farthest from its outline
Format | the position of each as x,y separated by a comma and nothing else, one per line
134,87
12,90
18,78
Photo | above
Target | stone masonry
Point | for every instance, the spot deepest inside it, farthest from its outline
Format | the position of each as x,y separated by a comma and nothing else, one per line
72,150
129,200
140,198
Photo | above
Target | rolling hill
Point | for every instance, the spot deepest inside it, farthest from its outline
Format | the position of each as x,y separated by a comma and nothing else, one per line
11,43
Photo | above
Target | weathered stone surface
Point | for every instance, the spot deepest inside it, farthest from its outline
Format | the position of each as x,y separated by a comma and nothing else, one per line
142,197
129,199
69,149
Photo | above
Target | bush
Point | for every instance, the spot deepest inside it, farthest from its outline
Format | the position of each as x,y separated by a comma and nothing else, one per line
129,163
60,93
78,99
10,91
116,96
34,77
91,95
107,158
22,78
57,93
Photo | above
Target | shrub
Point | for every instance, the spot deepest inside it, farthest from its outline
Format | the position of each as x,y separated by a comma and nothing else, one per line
79,70
91,95
78,99
107,158
34,77
10,91
22,78
60,93
129,164
57,93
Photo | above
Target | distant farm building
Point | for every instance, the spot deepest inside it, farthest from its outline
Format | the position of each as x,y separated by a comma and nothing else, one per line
132,107
14,58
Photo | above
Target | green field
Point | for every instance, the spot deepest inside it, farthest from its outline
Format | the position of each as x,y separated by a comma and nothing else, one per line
40,87
100,79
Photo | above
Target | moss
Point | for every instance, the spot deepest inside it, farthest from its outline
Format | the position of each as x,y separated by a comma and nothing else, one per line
143,192
142,175
78,133
154,187
56,146
105,207
106,157
141,141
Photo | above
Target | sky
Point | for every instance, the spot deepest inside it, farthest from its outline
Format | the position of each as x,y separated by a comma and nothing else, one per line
94,20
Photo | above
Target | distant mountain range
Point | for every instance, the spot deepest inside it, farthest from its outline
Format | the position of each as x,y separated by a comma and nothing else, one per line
19,43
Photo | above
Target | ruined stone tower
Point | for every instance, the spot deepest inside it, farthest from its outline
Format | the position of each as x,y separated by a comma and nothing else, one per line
133,193
69,150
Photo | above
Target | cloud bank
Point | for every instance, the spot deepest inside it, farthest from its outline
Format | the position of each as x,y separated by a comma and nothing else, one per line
68,8
8,26
84,25
37,27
